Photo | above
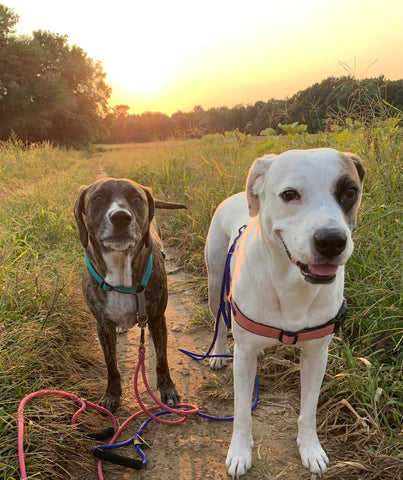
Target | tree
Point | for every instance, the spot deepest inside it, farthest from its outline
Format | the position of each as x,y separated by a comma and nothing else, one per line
121,111
8,20
48,89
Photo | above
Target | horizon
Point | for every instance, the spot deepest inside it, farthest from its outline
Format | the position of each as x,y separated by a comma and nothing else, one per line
171,57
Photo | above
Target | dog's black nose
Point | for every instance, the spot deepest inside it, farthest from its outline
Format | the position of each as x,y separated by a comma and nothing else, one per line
121,218
330,242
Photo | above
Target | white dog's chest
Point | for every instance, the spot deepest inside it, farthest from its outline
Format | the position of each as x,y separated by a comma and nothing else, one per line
121,308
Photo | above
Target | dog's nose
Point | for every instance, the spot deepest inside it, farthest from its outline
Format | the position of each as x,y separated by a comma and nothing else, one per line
121,218
330,242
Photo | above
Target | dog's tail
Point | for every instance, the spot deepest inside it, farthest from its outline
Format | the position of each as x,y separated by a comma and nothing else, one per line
168,205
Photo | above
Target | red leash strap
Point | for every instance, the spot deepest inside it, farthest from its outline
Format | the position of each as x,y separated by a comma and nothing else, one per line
58,393
184,414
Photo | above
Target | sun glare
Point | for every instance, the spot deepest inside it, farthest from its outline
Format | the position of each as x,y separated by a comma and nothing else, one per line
143,76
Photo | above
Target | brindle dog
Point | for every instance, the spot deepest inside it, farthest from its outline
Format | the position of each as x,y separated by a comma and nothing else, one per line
115,219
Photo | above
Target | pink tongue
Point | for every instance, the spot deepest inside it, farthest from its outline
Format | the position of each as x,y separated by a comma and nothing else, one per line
323,270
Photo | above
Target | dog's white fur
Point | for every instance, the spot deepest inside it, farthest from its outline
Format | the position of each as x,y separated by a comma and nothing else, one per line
120,307
268,286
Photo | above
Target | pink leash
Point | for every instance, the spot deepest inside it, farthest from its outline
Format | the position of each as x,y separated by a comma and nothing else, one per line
183,414
190,409
83,405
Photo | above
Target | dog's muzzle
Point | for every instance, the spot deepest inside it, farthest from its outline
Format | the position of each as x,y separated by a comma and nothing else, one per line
120,219
119,233
322,273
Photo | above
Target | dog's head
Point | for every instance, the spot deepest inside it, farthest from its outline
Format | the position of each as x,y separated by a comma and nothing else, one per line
114,214
307,202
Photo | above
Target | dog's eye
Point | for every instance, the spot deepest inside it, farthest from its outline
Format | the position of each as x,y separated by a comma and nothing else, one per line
346,192
290,195
98,198
349,194
135,199
348,197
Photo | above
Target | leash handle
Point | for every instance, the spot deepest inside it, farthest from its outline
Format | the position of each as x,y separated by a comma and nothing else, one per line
102,435
56,393
103,454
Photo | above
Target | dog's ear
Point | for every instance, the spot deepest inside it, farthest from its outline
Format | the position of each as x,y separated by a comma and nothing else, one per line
79,212
151,203
358,164
255,182
151,208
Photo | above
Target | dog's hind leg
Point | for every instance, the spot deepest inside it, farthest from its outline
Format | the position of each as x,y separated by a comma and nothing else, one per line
216,254
107,338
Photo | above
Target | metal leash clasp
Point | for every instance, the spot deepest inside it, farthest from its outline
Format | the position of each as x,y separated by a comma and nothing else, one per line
142,317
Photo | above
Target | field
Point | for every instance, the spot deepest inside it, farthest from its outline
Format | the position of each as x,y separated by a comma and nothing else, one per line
44,327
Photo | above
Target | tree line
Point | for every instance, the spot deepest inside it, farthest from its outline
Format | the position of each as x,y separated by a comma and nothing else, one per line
331,100
50,90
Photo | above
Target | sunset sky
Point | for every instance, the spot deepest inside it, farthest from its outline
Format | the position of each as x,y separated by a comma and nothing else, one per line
169,55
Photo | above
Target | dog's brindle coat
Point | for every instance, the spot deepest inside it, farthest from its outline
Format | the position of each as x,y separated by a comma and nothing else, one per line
116,224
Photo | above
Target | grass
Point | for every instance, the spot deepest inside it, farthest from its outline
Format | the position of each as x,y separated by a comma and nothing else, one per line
40,347
44,342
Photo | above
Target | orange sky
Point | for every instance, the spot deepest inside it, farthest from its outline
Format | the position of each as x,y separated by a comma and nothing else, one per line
172,55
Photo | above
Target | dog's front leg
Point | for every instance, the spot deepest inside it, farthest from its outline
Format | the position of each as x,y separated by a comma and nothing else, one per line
313,365
165,385
239,458
107,338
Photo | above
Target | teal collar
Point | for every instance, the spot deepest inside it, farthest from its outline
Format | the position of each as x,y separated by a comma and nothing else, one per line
109,288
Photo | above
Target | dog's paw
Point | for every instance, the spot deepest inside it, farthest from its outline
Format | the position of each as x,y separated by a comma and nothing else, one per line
110,402
217,362
238,461
120,330
239,458
169,396
314,458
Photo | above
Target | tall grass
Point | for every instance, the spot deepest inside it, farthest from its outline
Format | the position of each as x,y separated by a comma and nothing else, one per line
39,345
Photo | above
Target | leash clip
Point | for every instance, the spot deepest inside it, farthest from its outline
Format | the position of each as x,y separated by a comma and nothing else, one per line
142,317
139,440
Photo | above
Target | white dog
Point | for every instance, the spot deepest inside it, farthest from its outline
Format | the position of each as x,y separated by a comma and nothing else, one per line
287,275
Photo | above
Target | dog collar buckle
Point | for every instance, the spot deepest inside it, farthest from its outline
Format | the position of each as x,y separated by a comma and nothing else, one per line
288,338
106,287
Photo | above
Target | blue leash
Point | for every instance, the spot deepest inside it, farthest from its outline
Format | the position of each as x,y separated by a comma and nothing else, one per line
138,435
224,309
